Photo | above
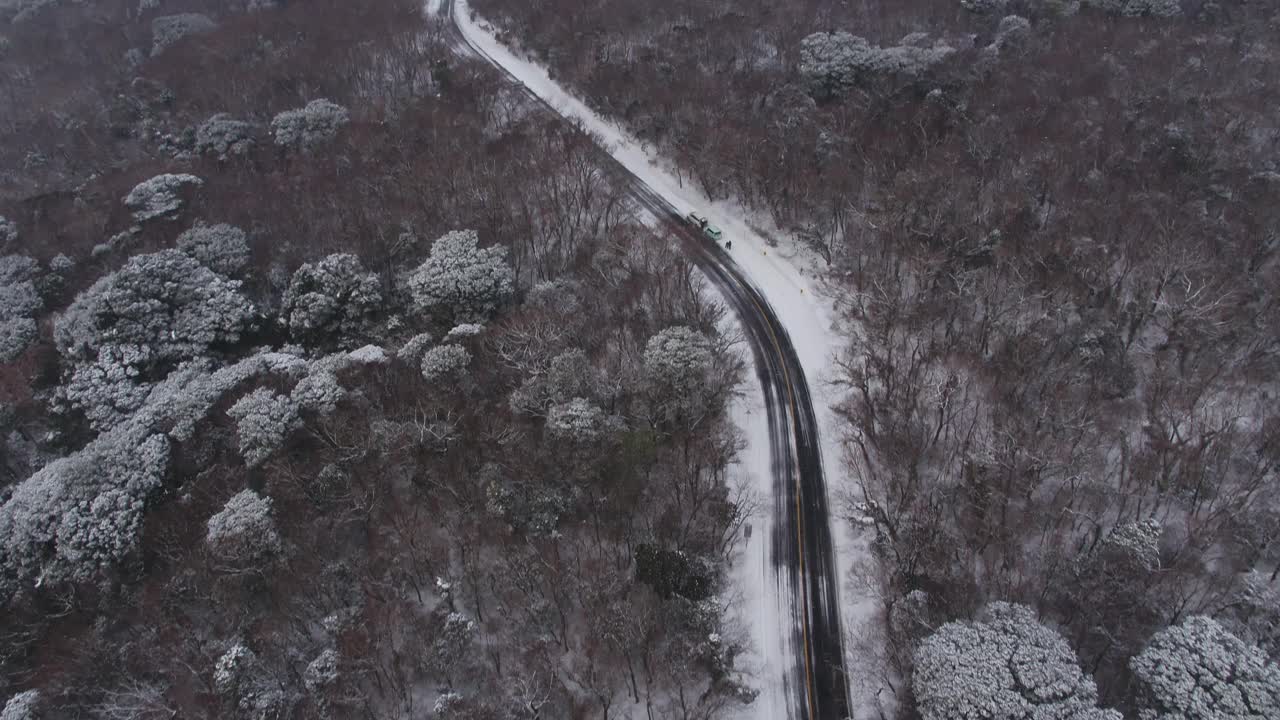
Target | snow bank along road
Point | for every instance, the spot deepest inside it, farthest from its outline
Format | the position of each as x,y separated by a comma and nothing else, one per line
801,550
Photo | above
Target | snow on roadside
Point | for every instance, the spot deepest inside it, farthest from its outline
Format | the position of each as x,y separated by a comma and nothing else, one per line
764,607
790,284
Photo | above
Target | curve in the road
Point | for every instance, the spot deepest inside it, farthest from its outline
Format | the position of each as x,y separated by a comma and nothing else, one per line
801,539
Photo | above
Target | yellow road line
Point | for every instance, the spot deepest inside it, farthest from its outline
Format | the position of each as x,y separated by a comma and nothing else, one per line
804,613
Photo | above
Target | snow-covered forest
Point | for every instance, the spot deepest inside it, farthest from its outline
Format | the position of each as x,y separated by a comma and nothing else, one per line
1049,228
338,382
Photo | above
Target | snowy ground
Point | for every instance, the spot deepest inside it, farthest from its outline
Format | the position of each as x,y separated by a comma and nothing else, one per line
786,277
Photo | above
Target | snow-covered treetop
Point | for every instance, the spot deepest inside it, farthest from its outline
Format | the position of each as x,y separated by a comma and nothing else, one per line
569,375
460,281
411,352
834,62
318,392
332,301
166,304
169,29
82,512
8,232
1008,667
223,135
1135,542
222,248
159,196
21,706
581,421
19,302
465,330
308,127
678,357
263,422
1137,8
445,362
243,528
1198,671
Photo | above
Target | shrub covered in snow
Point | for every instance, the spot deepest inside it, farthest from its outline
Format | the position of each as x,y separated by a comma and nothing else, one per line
243,529
21,706
309,127
223,135
1198,671
169,29
446,362
159,196
222,248
460,281
833,62
263,422
1007,667
333,301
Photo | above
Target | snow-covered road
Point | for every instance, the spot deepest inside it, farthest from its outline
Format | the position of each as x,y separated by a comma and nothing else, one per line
788,285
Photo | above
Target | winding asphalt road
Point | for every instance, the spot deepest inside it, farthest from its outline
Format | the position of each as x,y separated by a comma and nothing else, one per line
801,538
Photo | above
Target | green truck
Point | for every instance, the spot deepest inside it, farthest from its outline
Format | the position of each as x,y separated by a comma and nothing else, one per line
711,231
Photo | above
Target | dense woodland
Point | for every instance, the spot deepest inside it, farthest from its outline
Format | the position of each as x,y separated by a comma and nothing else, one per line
1051,229
336,381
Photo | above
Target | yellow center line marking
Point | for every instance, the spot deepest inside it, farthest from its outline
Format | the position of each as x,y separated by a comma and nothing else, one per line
804,611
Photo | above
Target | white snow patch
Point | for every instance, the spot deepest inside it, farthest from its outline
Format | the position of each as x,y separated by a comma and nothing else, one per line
787,277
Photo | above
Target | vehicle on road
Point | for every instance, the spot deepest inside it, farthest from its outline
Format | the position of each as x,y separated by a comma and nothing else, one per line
712,232
696,219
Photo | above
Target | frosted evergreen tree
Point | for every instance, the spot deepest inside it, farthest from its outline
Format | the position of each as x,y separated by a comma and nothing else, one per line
19,302
159,196
8,232
169,29
445,363
1198,671
581,421
263,422
22,706
460,281
223,135
243,530
569,375
309,127
411,352
83,512
332,301
831,63
1006,667
319,392
132,325
322,671
677,362
222,248
1136,8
